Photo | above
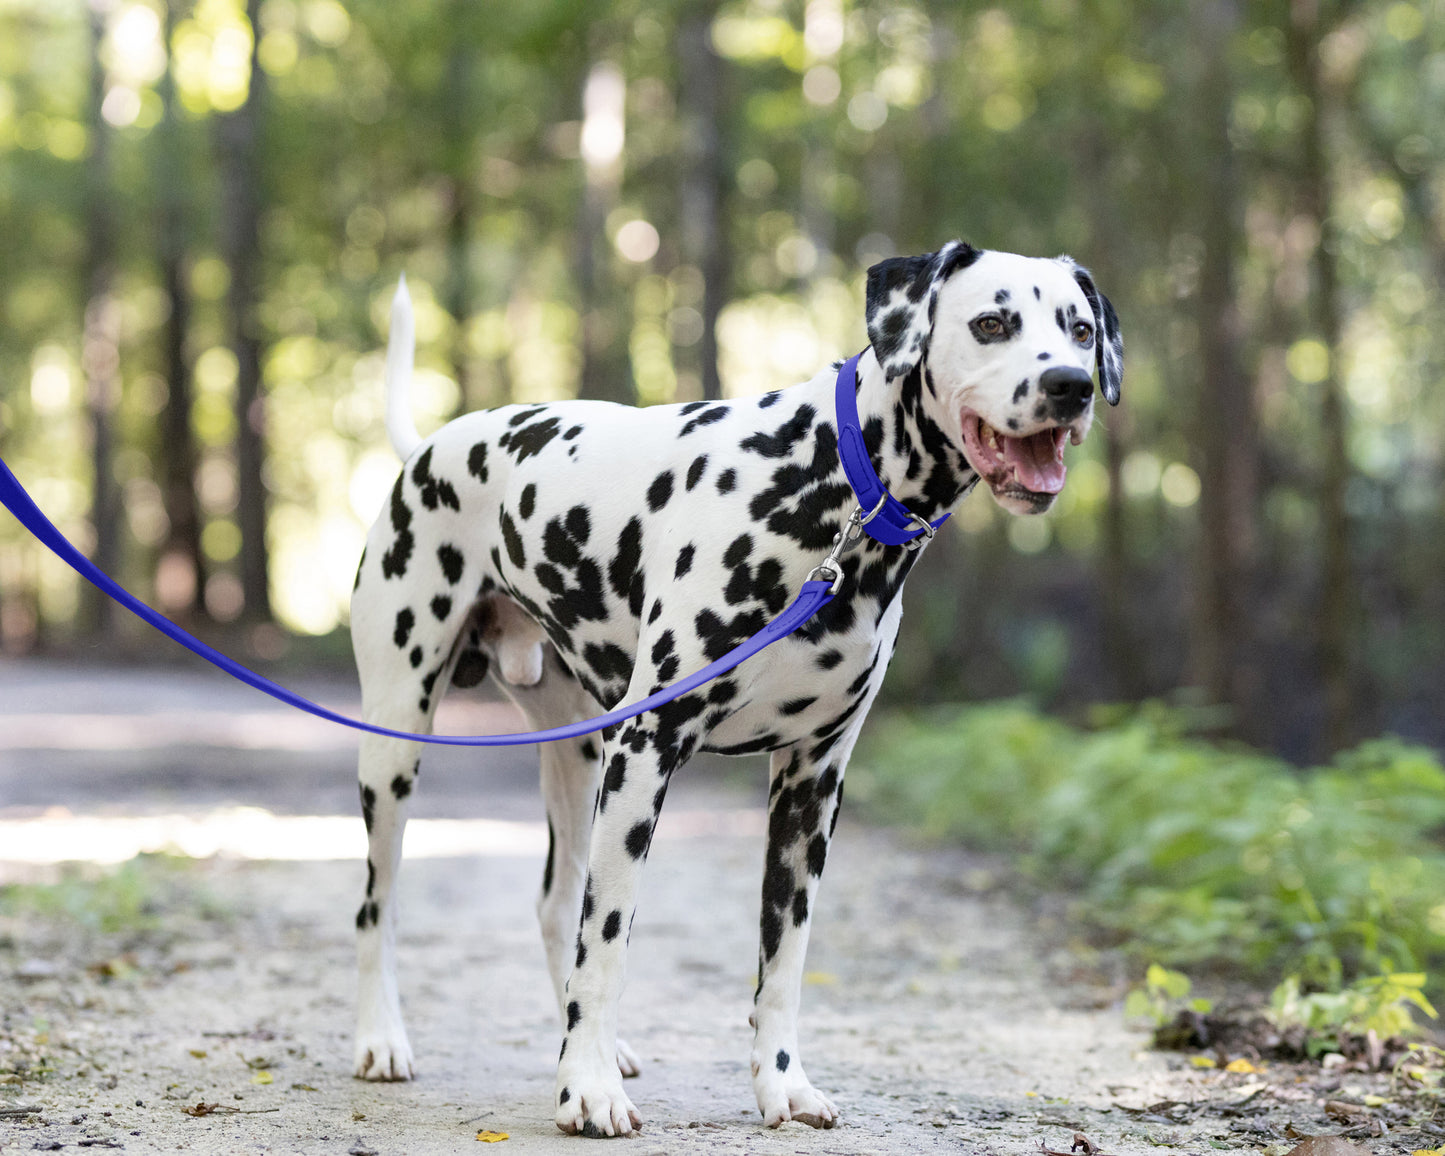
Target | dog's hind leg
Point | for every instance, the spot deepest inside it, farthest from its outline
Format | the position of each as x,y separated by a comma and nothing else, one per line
805,790
571,771
388,769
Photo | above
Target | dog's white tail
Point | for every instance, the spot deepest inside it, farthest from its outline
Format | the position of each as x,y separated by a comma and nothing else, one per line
400,355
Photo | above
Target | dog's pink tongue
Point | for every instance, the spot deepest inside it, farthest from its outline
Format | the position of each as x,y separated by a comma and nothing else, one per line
1035,461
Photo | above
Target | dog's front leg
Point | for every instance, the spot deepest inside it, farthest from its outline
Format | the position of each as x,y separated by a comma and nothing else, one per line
805,790
637,762
387,772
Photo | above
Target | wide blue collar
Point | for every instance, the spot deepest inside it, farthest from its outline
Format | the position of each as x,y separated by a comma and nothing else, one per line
890,521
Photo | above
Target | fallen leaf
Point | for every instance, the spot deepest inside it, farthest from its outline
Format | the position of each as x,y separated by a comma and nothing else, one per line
262,1077
1328,1146
1374,1101
199,1053
492,1137
1203,1061
302,1088
1429,1151
201,1109
1240,1065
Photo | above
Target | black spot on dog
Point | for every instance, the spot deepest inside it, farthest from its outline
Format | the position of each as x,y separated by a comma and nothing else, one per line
566,1093
579,524
817,854
768,400
656,612
717,413
574,1013
639,838
370,876
367,916
797,705
393,562
401,786
782,441
800,907
1001,296
782,1060
684,560
1021,390
531,440
368,807
611,925
513,541
551,854
528,501
405,620
477,462
727,481
613,780
695,471
434,491
829,659
441,606
452,562
660,491
572,433
415,657
623,572
588,749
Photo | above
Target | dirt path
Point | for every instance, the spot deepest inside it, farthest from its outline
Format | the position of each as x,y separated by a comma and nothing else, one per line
935,1014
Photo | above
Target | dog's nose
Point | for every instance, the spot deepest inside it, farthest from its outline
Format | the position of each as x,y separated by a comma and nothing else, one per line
1066,385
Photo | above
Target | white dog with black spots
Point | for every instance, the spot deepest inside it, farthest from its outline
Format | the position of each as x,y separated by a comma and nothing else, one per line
588,554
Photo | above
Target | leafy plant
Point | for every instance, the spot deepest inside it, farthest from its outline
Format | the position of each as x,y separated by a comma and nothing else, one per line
1377,1003
1164,994
1189,853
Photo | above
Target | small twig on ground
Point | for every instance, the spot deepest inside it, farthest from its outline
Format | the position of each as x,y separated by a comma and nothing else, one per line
18,1111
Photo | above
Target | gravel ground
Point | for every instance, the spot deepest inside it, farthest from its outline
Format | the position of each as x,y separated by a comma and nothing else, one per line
940,1012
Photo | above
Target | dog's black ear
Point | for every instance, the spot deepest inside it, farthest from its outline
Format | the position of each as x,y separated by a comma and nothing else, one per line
902,296
1109,344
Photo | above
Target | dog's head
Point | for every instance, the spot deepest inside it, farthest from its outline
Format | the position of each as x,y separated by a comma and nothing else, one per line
1008,346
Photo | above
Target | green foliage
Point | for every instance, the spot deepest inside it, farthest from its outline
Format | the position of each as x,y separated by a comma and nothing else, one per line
1163,995
1378,1003
1192,853
133,897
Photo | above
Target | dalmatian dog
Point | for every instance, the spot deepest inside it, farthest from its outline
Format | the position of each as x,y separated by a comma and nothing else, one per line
587,554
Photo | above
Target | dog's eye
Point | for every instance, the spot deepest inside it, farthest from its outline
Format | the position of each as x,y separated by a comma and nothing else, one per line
1083,332
990,326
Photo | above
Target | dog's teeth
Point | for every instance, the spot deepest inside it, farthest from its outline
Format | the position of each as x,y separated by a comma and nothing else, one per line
1074,438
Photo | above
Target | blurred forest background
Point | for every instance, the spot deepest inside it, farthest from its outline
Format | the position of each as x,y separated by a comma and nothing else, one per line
205,204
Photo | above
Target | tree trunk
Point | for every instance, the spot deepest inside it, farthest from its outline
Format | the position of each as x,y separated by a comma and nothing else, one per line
605,367
704,180
238,136
1226,426
1339,597
178,444
459,122
100,348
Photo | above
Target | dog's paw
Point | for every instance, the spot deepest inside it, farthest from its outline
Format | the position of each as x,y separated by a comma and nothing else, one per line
627,1062
595,1106
784,1096
384,1056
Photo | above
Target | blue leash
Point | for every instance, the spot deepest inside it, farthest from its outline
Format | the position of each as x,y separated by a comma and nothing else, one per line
817,591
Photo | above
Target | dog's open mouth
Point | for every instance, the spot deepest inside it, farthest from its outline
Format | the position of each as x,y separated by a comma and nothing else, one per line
1032,464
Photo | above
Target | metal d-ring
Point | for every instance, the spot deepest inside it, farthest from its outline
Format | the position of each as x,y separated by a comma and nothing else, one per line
925,532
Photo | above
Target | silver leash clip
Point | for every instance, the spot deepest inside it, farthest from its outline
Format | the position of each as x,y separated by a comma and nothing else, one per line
831,568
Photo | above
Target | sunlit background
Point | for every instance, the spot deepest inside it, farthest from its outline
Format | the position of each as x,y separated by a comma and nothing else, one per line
204,208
